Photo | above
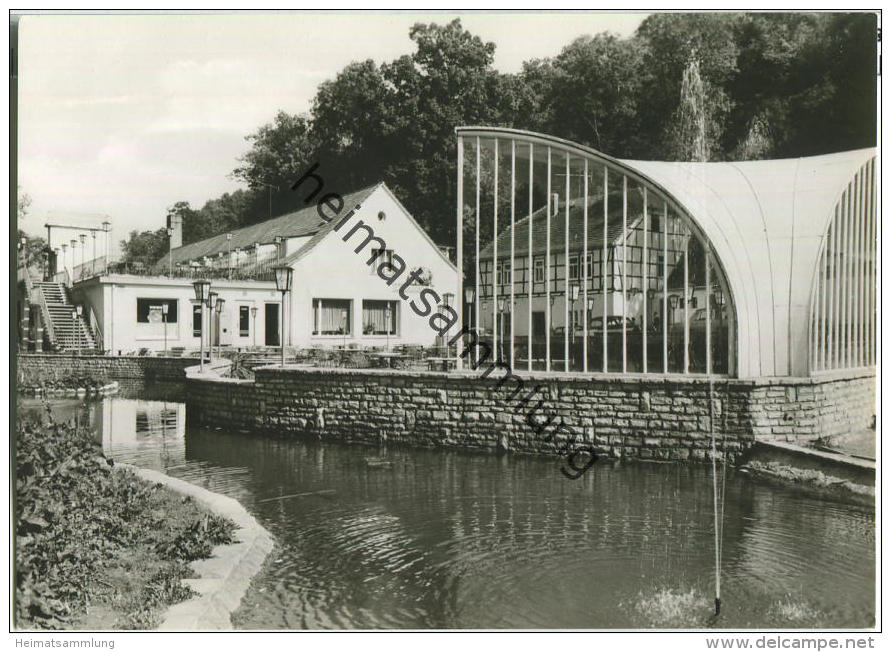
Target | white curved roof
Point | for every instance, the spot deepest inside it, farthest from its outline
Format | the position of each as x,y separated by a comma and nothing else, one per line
766,221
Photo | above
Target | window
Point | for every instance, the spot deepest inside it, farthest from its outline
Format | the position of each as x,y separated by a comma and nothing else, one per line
244,323
573,267
196,321
151,311
378,317
331,316
538,274
380,257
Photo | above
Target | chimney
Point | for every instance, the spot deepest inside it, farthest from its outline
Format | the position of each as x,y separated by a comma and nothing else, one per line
175,222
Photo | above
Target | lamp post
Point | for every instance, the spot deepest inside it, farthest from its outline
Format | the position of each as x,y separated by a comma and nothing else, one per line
447,299
220,303
83,252
211,305
469,295
254,317
73,257
74,315
229,255
169,252
202,289
93,266
283,276
343,329
501,309
106,228
164,308
64,255
573,297
388,318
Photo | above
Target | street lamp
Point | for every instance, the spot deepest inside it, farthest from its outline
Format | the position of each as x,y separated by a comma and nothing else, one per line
220,303
93,266
169,252
75,314
73,257
501,308
211,304
283,276
106,228
229,255
164,308
64,255
389,316
254,317
202,289
83,252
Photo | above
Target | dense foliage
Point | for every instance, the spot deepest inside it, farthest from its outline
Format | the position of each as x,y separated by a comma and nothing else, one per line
76,517
774,85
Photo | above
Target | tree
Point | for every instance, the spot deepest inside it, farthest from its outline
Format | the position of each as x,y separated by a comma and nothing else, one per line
146,247
23,204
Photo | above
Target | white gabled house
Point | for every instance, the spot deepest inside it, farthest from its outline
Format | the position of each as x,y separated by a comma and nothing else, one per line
370,277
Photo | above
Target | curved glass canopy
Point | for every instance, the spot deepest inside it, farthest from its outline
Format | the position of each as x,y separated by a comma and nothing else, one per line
575,262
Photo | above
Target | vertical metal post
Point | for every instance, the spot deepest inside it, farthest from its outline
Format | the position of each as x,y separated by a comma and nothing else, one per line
861,271
459,248
567,325
665,287
645,256
603,262
708,311
282,335
624,272
686,304
547,270
584,264
201,338
836,263
496,344
530,271
477,265
513,192
843,274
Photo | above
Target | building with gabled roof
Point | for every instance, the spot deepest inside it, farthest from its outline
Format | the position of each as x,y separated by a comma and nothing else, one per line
338,296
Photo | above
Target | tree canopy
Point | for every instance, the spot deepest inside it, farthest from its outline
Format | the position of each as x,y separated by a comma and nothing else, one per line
771,86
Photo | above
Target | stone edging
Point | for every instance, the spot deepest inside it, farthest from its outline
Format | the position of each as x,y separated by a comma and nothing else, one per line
222,579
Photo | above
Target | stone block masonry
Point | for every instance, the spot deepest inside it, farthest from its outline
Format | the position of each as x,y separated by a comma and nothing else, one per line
634,417
36,368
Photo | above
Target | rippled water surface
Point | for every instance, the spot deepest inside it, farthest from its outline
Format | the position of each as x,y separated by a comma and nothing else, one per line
406,538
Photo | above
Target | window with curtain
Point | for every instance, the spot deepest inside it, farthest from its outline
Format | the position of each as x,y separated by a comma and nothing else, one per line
145,307
331,316
376,319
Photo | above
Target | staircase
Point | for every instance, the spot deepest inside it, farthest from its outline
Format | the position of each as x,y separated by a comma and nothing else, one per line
66,334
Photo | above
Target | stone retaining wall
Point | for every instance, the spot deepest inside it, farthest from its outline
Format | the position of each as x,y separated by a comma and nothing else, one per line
36,368
648,418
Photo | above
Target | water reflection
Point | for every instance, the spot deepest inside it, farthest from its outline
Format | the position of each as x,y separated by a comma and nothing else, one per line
391,537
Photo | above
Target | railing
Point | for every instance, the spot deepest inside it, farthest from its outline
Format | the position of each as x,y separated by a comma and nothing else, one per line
97,331
262,271
90,268
62,276
40,300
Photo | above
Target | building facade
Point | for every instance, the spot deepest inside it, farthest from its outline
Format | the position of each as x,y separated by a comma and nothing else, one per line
345,289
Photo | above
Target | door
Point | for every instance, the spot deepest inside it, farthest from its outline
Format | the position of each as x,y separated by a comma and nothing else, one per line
538,339
272,324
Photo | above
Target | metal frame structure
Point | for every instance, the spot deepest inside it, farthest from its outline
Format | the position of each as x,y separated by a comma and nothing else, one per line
619,181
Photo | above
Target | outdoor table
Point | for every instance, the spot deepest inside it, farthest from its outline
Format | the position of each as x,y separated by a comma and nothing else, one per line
387,357
445,364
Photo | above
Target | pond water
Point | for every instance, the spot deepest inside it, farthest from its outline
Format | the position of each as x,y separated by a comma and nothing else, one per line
410,538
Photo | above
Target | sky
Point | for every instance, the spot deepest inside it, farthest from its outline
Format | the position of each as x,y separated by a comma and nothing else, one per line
124,115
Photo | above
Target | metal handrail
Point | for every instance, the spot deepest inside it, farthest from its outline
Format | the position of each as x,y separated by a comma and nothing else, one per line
97,332
45,313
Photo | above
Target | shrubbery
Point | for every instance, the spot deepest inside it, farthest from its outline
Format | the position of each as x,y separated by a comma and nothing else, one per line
80,523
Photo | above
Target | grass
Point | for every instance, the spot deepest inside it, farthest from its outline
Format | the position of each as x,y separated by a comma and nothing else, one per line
95,546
